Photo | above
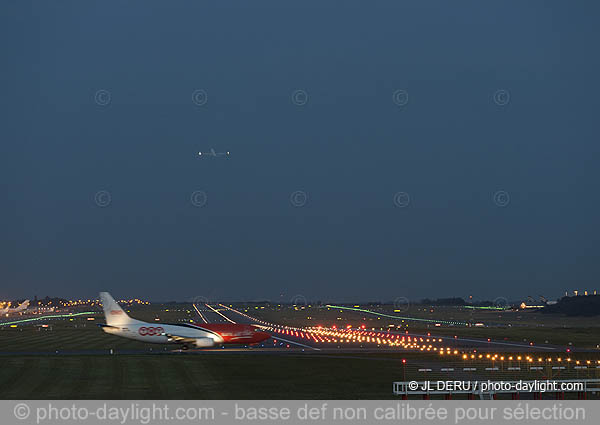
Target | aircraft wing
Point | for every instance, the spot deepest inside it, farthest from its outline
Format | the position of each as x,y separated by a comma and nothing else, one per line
102,325
202,342
178,338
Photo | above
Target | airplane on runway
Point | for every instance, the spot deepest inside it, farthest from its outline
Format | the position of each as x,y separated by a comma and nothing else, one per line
187,334
213,153
21,307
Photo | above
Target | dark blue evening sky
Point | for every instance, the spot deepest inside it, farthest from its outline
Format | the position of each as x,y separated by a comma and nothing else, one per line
494,139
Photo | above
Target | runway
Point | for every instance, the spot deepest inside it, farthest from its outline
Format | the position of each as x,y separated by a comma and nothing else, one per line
298,337
209,314
219,313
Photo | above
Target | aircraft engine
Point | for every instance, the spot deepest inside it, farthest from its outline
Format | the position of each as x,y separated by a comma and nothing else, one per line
204,342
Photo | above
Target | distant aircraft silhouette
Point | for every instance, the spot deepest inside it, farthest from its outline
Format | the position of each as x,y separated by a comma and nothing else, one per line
21,307
213,153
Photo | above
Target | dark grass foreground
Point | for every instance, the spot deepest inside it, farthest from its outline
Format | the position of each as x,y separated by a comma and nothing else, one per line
221,376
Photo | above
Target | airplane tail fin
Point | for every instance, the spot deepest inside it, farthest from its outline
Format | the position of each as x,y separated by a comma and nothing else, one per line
113,313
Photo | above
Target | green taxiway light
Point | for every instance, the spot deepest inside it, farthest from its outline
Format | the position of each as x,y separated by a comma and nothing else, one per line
486,307
55,316
397,317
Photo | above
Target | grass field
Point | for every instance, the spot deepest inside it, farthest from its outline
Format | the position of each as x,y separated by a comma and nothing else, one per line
63,337
211,376
222,376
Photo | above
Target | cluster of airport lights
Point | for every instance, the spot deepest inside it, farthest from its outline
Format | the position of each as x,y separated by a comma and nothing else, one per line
332,335
527,359
335,336
97,302
325,335
89,302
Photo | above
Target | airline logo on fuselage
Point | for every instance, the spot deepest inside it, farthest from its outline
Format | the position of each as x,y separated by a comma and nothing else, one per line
116,312
150,331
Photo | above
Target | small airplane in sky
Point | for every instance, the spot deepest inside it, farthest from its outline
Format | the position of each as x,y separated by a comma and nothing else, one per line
213,153
187,334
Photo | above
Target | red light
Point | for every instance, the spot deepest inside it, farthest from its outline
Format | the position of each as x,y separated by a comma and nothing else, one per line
404,361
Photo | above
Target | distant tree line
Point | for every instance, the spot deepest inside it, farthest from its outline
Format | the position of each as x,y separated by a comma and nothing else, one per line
444,301
576,306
